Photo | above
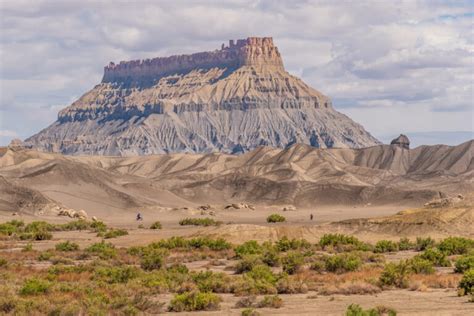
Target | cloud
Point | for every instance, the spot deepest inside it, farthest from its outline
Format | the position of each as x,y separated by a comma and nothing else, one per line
374,58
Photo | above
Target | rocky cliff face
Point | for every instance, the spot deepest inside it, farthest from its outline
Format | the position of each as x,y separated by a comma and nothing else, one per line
230,100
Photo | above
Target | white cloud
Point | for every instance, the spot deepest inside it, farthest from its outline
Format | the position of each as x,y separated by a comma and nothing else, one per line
408,62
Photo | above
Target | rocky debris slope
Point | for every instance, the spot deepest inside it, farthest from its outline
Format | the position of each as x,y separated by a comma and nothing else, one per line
300,176
229,100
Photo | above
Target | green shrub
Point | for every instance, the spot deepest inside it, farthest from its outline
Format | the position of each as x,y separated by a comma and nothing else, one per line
395,274
75,225
194,301
272,301
98,226
285,244
200,242
419,265
424,243
247,263
250,247
116,274
464,263
67,246
103,250
199,222
292,262
385,246
356,310
45,256
28,247
153,259
208,281
271,257
39,226
437,257
466,285
342,263
249,312
405,244
156,225
275,218
456,245
113,233
343,242
11,227
34,286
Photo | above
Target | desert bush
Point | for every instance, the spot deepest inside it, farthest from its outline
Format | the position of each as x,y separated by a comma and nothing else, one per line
385,246
250,247
292,262
275,218
464,263
437,257
199,222
271,257
98,226
247,263
249,312
208,281
45,256
419,265
272,301
342,242
11,227
395,274
466,285
291,285
342,263
246,301
424,243
196,243
285,244
153,259
351,288
405,244
156,225
194,301
39,226
113,233
34,286
102,250
318,265
67,246
260,280
356,310
116,274
75,225
3,262
27,247
456,245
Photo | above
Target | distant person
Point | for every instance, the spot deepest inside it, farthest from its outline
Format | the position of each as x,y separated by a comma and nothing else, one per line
139,217
311,216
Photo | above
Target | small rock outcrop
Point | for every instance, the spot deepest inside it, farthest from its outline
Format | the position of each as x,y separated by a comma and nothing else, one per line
401,141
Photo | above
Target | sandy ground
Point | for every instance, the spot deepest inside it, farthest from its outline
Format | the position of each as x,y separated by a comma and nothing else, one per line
405,302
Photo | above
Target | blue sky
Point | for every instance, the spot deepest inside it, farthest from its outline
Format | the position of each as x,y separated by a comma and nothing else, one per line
393,66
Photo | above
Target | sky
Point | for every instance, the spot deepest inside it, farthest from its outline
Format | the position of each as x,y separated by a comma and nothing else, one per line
393,66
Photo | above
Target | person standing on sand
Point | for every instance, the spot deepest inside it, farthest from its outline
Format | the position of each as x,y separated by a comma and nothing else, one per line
311,216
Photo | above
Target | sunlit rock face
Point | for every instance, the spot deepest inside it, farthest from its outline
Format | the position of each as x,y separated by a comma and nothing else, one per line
230,100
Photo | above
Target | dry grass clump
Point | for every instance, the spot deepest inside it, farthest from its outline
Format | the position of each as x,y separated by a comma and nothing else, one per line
351,288
436,281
